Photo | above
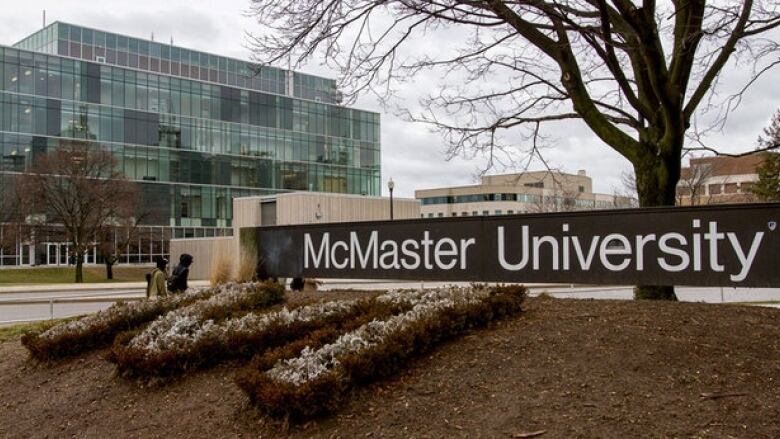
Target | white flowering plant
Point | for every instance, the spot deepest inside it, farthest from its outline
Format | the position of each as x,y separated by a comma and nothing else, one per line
99,329
178,341
150,350
317,379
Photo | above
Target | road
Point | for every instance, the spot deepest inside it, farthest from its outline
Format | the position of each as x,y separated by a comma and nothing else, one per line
58,301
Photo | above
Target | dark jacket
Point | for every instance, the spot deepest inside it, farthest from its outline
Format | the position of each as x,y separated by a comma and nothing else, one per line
178,280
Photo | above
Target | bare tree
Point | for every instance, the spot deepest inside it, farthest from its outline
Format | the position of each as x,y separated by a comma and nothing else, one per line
635,75
560,199
79,189
628,185
9,218
693,184
15,227
116,234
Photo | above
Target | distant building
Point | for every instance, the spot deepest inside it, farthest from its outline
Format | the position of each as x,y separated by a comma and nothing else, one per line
193,129
719,180
527,192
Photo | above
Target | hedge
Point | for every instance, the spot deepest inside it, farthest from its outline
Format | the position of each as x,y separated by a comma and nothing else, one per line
318,379
190,343
152,348
99,329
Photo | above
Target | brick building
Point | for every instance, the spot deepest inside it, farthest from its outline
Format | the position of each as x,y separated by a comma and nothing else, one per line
719,180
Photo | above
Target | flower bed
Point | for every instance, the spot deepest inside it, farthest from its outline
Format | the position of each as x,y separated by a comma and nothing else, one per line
319,378
151,350
99,329
184,342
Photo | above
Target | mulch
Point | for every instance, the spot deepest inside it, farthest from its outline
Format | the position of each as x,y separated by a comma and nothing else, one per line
565,368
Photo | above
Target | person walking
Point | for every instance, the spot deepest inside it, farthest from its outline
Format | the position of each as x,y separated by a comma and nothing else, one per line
177,283
155,287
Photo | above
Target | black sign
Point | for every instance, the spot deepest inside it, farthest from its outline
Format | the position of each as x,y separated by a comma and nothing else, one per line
734,245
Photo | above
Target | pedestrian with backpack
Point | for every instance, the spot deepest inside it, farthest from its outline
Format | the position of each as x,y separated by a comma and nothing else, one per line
177,283
155,281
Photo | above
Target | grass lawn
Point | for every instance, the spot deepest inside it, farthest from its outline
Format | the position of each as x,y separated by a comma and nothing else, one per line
66,275
15,331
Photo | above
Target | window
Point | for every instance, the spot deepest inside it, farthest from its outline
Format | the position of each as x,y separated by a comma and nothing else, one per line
454,213
582,189
474,213
464,214
430,215
485,213
714,189
538,184
510,212
498,211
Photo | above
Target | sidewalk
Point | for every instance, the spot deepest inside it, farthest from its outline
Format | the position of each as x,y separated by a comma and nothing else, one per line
53,288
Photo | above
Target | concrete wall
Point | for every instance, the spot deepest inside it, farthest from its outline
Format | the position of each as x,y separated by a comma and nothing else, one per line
312,208
246,212
204,252
291,208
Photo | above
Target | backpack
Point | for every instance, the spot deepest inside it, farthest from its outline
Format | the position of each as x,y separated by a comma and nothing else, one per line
173,280
148,282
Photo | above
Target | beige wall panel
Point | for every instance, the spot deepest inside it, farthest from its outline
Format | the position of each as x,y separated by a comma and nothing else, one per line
301,208
203,251
246,211
291,208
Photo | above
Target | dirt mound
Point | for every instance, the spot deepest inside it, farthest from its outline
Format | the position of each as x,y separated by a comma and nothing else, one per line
564,368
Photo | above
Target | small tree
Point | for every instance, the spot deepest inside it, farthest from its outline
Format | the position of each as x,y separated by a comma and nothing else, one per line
692,183
115,236
77,188
15,226
9,218
768,186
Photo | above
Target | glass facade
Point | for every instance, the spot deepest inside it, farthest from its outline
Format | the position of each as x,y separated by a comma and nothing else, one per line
194,129
120,50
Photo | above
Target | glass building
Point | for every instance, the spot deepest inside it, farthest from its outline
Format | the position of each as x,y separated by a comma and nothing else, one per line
193,129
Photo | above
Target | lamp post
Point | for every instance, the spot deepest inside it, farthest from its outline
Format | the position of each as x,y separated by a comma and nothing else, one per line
390,187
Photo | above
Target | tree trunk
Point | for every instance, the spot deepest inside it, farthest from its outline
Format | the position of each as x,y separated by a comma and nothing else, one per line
79,268
656,183
109,269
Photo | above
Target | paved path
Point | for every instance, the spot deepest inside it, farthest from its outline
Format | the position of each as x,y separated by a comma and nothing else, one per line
65,300
69,299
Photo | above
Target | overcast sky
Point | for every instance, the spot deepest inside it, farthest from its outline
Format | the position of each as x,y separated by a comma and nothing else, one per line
411,155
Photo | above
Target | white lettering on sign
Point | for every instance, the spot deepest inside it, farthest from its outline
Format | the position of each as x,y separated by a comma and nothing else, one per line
679,252
441,254
673,251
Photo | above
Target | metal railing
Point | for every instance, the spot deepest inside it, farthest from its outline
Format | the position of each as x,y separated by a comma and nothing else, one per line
69,299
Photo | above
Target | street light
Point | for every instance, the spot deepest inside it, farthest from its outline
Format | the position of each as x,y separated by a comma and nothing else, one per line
390,187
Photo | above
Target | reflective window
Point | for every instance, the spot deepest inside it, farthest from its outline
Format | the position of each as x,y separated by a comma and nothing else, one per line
214,142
